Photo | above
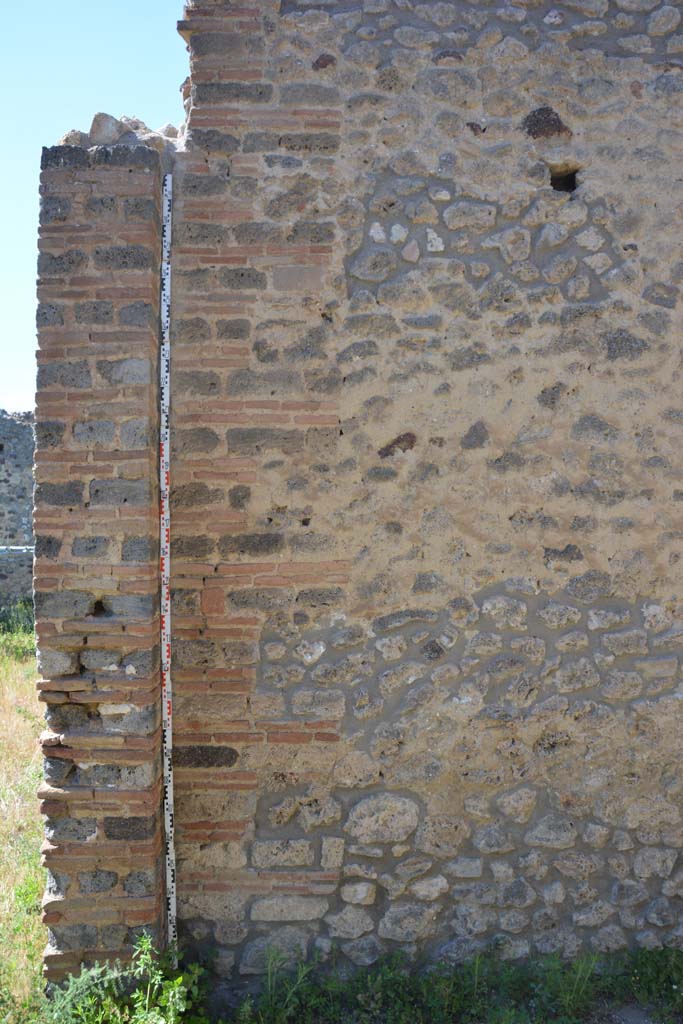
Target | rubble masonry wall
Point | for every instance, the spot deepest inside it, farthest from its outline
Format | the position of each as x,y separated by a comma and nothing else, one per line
426,483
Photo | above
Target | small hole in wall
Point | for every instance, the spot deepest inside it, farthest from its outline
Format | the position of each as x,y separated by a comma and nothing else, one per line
98,609
306,521
563,181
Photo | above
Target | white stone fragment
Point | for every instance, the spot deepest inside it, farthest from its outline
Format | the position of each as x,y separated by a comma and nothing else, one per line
332,852
429,889
391,647
415,38
554,17
377,232
466,867
555,892
509,49
384,818
579,287
656,617
361,893
600,262
513,244
407,922
636,44
289,908
552,235
435,243
115,709
74,137
636,6
105,130
591,239
663,21
350,923
590,8
310,652
466,214
605,618
573,214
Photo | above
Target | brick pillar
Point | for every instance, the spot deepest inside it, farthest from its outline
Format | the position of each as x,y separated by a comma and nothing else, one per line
250,279
96,565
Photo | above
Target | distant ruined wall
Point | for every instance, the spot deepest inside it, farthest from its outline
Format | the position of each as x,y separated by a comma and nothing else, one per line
16,504
427,483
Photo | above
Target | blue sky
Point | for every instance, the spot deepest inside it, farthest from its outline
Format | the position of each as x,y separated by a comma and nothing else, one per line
62,61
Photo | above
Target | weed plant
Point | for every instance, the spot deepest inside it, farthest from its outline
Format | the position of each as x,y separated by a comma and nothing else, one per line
22,936
484,990
149,990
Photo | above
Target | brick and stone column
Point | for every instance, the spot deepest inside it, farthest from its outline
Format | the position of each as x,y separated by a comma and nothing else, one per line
96,564
252,388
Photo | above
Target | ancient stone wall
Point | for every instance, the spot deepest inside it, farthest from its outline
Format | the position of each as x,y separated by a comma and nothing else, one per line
16,505
96,565
426,482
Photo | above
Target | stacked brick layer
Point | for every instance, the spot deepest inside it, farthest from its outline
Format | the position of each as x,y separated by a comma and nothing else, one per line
234,256
96,565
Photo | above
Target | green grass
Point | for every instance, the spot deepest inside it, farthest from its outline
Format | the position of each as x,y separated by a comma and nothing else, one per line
17,640
22,880
485,990
656,979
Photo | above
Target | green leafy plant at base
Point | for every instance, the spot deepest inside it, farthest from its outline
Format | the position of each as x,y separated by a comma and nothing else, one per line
484,990
149,990
656,979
